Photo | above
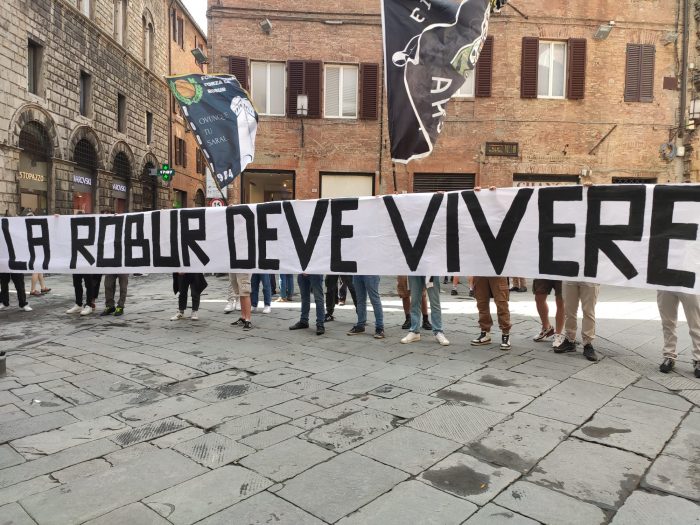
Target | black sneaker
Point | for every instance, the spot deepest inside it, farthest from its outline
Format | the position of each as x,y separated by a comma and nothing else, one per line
240,322
668,365
247,325
565,347
522,289
119,311
299,326
589,353
513,289
320,330
108,311
454,292
379,333
697,369
406,324
444,281
329,318
471,292
505,342
427,325
356,330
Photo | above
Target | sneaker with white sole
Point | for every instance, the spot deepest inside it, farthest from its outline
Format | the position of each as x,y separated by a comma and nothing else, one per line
267,309
544,334
483,339
178,316
254,309
87,310
194,316
230,307
558,340
2,306
505,342
26,308
75,310
440,338
412,337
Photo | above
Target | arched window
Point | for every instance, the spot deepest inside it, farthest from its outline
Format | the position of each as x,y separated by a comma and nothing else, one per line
199,199
84,177
121,182
148,39
150,188
35,141
120,21
34,168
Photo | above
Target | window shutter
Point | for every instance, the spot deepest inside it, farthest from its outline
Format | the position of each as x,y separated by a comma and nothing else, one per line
184,153
632,72
313,86
646,83
484,70
576,86
295,85
174,13
369,89
528,67
177,150
238,66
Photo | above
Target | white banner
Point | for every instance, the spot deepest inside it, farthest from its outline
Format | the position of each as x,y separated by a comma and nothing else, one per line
627,235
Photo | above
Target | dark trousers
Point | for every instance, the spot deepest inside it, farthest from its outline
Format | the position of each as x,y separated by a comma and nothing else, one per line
18,280
111,288
307,285
185,284
92,288
332,291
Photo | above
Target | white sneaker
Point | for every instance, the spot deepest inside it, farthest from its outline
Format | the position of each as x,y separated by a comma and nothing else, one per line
2,306
26,308
254,309
236,305
412,337
194,316
75,310
267,310
177,316
558,340
87,310
230,307
440,338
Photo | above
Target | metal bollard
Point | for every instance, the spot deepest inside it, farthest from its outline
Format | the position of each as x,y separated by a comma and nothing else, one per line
3,364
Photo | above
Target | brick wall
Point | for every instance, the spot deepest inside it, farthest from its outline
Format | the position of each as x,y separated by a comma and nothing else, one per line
555,136
71,43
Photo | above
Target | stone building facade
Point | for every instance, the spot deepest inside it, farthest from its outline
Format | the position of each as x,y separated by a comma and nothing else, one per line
188,184
540,129
84,116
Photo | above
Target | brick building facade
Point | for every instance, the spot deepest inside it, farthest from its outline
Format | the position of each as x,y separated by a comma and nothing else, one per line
84,113
185,158
611,122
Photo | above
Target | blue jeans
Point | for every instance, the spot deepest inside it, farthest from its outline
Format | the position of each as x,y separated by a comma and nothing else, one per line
286,285
417,283
368,285
307,285
255,281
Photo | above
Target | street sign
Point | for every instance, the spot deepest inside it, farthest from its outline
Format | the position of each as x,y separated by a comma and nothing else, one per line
217,203
166,173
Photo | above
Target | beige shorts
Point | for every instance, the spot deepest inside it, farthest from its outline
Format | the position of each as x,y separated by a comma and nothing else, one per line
239,284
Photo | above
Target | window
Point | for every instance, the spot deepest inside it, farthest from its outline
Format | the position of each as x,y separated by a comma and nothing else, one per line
268,87
149,127
201,162
85,94
35,54
180,152
639,73
551,70
173,15
467,89
84,7
121,113
341,92
120,22
181,32
148,34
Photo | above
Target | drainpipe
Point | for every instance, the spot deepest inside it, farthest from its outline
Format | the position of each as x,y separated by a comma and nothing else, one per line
170,97
680,166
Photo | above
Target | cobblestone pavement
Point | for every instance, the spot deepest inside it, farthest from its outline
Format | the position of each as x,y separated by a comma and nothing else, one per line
139,420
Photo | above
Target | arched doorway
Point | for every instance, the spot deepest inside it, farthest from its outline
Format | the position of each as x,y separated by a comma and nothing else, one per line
150,187
120,182
34,168
84,177
199,199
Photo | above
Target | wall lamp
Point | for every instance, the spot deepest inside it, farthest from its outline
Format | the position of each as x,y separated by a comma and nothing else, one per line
266,26
604,30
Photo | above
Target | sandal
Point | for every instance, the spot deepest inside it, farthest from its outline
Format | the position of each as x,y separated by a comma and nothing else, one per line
35,293
45,290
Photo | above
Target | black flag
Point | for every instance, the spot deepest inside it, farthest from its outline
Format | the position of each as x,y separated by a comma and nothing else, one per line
223,120
430,47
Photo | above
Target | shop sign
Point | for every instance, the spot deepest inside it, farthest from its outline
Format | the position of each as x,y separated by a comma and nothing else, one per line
119,187
502,149
80,179
23,175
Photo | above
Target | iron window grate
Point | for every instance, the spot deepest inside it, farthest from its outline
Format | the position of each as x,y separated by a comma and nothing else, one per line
34,140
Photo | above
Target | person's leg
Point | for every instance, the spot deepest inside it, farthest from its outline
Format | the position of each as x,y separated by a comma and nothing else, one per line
482,294
78,289
305,296
361,300
372,288
589,298
668,311
35,280
571,299
331,293
433,293
267,288
349,283
316,284
543,310
123,287
342,291
93,284
416,284
110,286
42,282
254,289
5,289
18,281
499,289
232,286
195,299
244,281
691,307
183,286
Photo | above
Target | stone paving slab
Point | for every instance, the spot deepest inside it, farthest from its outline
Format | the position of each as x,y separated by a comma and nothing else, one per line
271,437
295,408
161,409
13,514
27,488
9,457
406,406
306,386
89,498
340,486
213,450
412,502
423,383
642,507
674,476
222,392
81,470
583,392
513,382
608,372
686,442
148,432
495,399
520,442
352,431
207,494
248,425
460,423
134,514
494,515
170,440
549,506
326,398
278,377
559,409
262,509
652,397
611,474
26,427
286,459
641,412
111,405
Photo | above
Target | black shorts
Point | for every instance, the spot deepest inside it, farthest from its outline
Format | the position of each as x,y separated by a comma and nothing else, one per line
545,286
